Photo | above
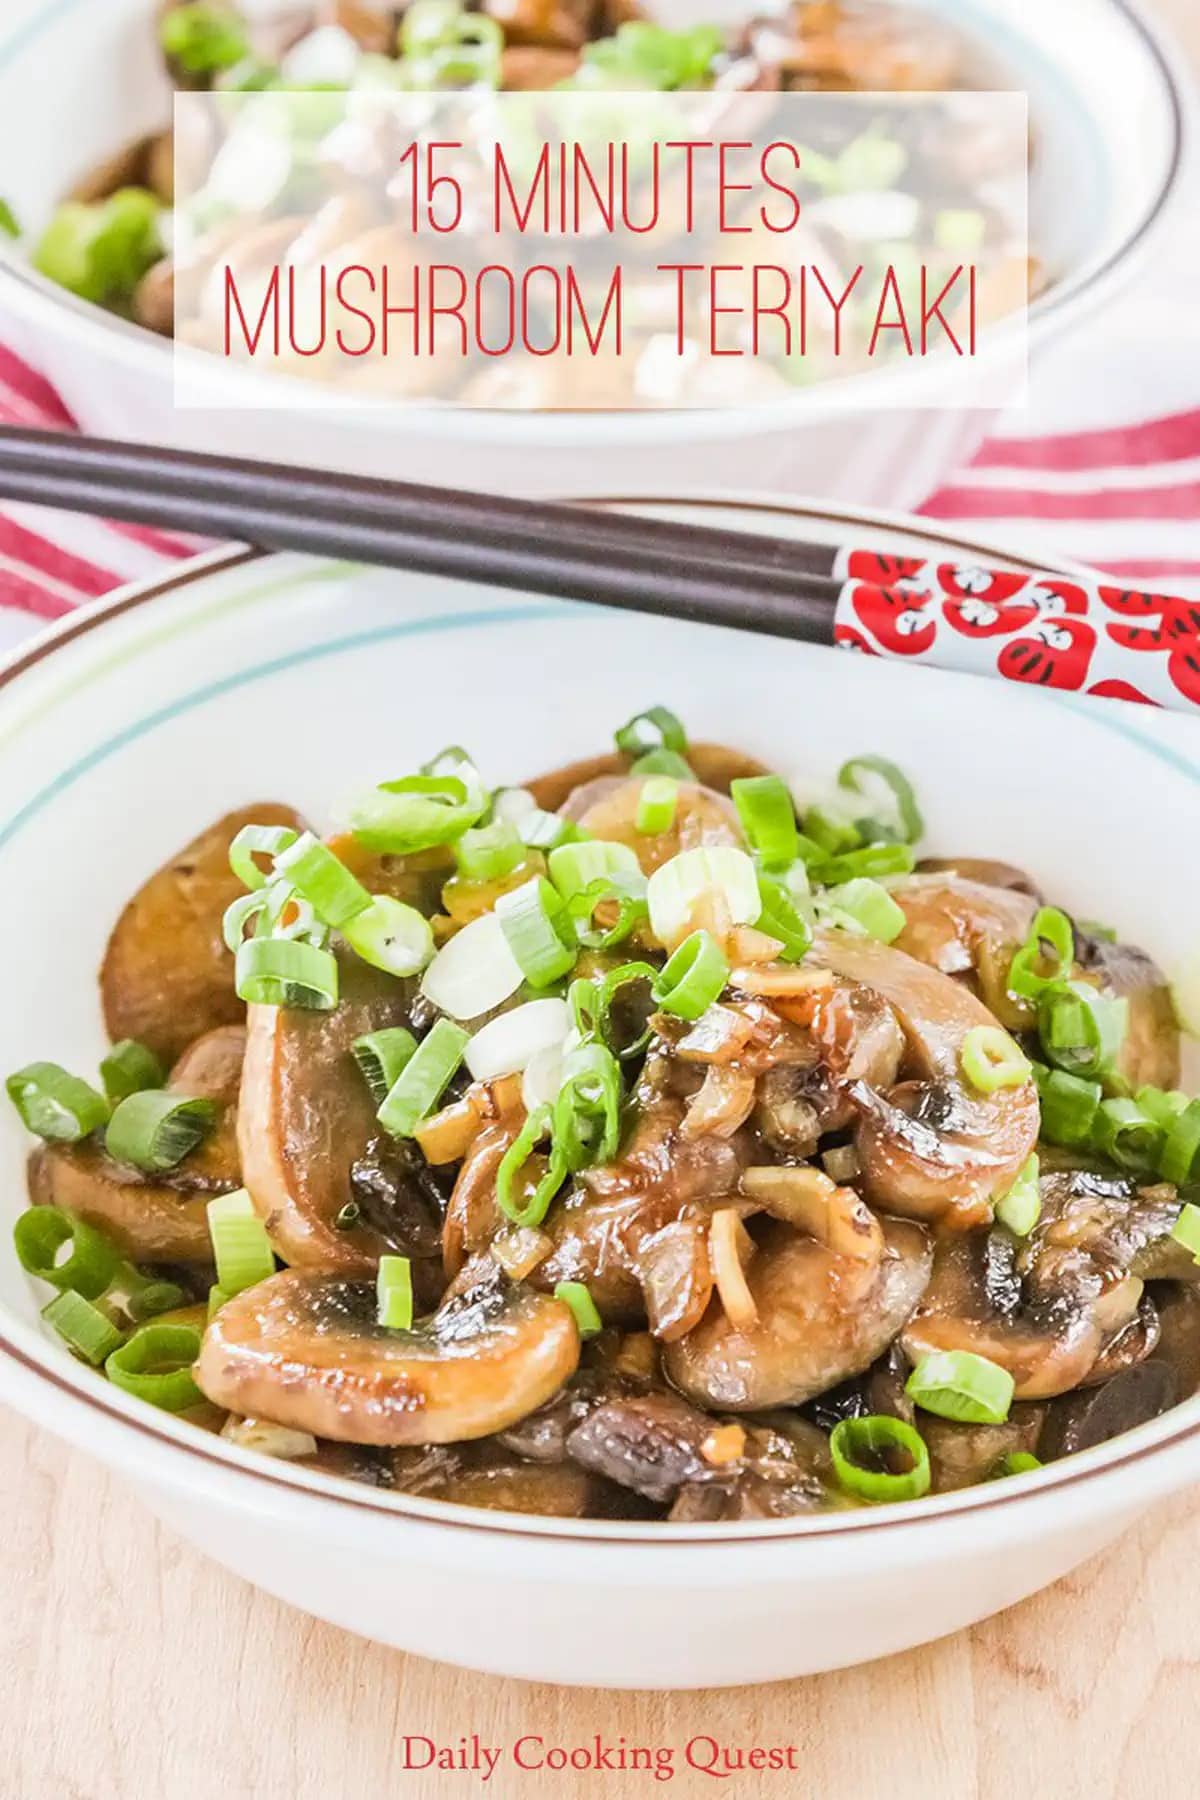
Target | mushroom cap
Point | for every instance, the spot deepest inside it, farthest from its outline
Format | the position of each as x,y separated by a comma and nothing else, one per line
822,1318
306,1350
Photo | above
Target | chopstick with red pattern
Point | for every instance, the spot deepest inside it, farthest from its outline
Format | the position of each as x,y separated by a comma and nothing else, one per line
1043,630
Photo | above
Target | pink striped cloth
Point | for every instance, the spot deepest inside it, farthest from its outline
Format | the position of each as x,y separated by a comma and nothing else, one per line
1103,467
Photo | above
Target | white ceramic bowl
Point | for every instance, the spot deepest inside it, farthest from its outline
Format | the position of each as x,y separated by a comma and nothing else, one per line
138,721
1107,102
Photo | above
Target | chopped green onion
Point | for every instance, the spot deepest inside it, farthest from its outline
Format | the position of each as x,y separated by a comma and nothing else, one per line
54,1104
873,860
82,1326
768,818
9,226
128,1068
416,813
868,907
576,1296
154,1130
1178,1160
391,935
665,763
1161,1106
203,38
100,249
507,1044
335,895
539,931
381,1055
861,1447
216,1299
41,1233
258,840
155,1365
489,852
546,830
535,1128
1081,1029
286,972
592,1002
643,56
908,813
394,1293
1021,1207
241,1249
830,832
574,867
992,1060
266,908
782,919
1017,1462
692,978
631,910
656,805
680,884
656,727
1026,974
957,1384
423,1079
1128,1136
1069,1107
473,973
586,1119
146,1299
1186,1229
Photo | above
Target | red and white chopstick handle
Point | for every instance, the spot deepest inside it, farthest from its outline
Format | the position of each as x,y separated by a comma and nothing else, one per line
1045,630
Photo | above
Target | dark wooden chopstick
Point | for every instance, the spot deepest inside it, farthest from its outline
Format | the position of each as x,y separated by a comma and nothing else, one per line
614,559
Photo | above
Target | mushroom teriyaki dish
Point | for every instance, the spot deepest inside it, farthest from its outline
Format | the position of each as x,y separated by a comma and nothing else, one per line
647,1142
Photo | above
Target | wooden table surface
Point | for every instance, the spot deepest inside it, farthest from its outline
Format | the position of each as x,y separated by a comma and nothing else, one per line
130,1668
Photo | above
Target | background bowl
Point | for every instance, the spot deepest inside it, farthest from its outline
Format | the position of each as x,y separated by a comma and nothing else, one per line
1107,107
141,719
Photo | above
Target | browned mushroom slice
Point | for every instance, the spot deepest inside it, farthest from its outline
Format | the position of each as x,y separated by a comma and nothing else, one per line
159,1218
1047,1330
526,68
982,869
821,1319
963,1455
965,928
615,1230
715,766
167,976
1133,1397
608,808
934,1147
306,1350
306,1118
558,24
1149,1056
866,45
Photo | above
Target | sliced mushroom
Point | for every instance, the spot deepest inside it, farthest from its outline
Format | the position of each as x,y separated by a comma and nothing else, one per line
608,808
167,976
474,1475
714,765
963,1455
160,1218
966,928
1048,1329
305,1350
821,1319
1083,1420
628,1221
1149,1055
933,1147
306,1119
983,869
